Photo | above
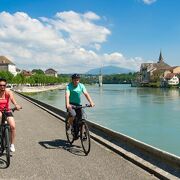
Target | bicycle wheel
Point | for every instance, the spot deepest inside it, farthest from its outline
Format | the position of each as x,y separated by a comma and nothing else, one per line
7,145
69,131
85,137
1,142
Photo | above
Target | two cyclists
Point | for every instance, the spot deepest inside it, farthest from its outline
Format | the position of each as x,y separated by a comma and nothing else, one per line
5,97
72,97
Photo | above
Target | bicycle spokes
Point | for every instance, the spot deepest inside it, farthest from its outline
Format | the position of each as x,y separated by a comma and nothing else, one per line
85,138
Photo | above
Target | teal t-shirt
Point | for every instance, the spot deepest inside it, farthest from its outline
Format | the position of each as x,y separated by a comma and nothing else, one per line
75,92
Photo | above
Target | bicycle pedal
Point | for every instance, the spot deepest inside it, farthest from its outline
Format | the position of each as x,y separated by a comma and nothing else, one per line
84,138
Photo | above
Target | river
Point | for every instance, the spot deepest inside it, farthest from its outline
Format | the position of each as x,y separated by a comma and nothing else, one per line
151,115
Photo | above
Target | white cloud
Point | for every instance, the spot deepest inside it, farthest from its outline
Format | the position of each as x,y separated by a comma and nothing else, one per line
69,42
149,1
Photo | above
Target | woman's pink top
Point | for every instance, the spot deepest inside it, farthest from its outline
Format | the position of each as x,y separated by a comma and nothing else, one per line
4,103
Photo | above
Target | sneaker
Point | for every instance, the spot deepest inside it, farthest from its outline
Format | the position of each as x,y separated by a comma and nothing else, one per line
12,148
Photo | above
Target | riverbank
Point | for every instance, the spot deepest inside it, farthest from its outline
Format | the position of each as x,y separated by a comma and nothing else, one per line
34,89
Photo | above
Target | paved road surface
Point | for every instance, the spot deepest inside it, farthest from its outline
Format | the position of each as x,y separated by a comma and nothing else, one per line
42,152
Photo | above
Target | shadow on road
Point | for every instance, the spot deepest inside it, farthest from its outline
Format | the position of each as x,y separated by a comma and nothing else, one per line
62,144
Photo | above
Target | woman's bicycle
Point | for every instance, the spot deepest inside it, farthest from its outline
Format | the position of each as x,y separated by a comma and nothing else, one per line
5,136
79,129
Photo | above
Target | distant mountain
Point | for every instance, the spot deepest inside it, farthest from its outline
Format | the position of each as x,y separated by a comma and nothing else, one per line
109,70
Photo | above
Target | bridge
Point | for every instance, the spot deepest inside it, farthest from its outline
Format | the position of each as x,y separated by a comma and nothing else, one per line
42,152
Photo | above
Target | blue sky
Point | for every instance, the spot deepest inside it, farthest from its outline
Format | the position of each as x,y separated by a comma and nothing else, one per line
75,36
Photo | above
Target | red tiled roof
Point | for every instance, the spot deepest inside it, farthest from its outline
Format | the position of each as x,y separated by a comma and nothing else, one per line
170,75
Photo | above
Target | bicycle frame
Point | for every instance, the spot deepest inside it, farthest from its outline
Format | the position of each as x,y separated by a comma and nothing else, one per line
77,121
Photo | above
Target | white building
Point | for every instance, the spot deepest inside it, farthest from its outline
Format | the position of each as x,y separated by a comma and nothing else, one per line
172,79
7,65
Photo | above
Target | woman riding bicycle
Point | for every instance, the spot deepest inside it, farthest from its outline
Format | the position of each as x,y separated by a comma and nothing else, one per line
5,96
73,96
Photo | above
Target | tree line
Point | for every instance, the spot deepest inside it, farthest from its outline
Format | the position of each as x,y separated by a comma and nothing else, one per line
110,79
36,79
119,78
39,77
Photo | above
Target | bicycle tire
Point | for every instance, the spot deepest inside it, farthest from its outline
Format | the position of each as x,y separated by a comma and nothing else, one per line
1,142
69,135
7,145
85,137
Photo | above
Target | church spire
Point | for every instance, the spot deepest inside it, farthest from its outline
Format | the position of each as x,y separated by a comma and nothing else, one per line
160,58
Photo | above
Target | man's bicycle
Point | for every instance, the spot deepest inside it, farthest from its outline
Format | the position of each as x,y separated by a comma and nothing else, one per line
79,129
5,136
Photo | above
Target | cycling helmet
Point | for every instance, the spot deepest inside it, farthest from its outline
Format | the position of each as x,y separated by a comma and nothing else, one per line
75,76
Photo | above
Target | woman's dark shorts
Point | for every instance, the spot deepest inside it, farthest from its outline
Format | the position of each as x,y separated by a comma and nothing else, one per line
9,114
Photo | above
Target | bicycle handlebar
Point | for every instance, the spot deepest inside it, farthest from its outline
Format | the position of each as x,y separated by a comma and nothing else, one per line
80,107
11,109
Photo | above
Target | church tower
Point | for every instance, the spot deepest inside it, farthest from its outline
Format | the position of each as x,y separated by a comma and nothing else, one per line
161,60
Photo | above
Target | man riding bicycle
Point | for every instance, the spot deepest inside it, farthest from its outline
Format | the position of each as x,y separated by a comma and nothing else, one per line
5,96
73,97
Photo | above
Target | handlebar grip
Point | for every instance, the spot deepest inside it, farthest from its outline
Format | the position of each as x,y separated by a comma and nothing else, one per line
88,105
13,109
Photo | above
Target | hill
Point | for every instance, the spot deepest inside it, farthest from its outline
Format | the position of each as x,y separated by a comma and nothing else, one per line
109,70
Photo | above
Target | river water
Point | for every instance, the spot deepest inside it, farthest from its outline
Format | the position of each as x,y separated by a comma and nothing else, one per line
151,115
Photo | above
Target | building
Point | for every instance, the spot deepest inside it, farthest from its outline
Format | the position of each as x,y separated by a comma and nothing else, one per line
170,79
26,73
151,71
7,65
160,71
51,72
175,69
18,70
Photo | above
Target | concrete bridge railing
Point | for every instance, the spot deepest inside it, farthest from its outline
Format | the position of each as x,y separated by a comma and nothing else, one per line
160,163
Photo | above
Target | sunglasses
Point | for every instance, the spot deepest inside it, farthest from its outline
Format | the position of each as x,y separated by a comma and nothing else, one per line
2,85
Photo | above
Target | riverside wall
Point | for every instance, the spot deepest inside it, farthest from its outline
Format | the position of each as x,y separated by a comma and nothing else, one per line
34,89
162,164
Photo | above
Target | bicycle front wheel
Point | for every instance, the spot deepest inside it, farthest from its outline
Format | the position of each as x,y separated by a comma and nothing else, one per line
69,131
85,137
1,141
7,145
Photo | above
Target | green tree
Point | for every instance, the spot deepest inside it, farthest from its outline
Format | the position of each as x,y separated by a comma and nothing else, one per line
37,71
7,75
18,79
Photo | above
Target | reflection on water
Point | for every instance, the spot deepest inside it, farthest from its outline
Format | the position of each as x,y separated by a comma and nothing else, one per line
147,114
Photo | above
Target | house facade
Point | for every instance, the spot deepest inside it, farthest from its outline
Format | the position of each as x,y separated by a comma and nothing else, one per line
7,65
175,69
51,72
171,79
26,73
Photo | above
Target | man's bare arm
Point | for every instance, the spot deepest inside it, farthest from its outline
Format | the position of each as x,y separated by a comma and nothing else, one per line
88,97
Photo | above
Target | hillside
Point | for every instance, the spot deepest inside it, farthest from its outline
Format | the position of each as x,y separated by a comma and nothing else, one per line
109,70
